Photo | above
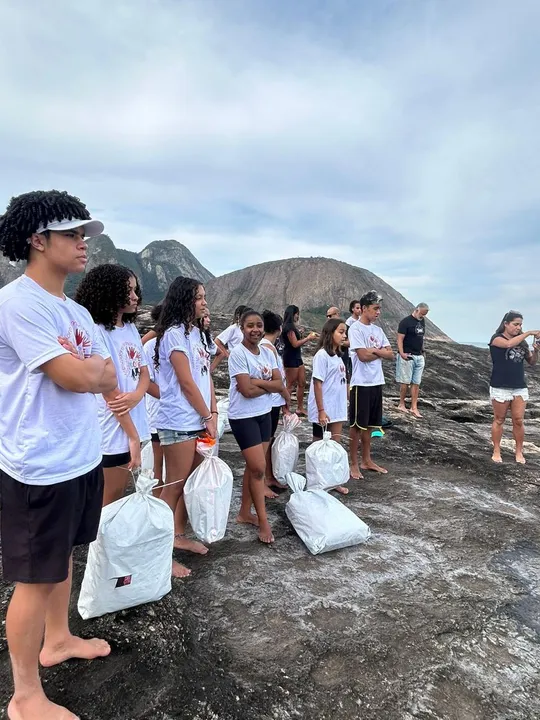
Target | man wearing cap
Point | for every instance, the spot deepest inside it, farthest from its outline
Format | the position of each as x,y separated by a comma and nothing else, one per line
51,365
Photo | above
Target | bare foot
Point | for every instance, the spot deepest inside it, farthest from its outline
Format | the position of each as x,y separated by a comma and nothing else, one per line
272,482
402,408
180,571
416,413
38,706
250,519
270,494
520,459
182,543
341,490
73,647
355,473
496,457
265,533
374,467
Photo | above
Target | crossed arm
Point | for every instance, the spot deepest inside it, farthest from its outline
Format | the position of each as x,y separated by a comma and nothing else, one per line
371,354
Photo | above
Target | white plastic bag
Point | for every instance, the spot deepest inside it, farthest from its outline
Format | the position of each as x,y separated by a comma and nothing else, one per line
207,494
286,448
223,426
327,464
130,561
147,462
321,520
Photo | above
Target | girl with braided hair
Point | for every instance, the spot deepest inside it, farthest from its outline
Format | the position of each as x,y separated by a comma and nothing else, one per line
187,405
111,293
52,363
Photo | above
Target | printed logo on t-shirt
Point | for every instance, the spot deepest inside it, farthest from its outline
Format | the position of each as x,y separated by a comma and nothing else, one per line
266,372
374,341
419,329
343,374
204,360
80,339
130,360
516,354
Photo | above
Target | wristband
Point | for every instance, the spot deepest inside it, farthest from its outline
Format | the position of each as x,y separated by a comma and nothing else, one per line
215,412
206,419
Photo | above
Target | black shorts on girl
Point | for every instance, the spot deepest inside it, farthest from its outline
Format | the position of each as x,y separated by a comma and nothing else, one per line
275,419
249,432
41,524
118,460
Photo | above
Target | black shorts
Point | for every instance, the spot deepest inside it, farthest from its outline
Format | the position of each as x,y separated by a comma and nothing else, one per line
365,407
118,460
292,362
249,432
41,524
276,411
154,437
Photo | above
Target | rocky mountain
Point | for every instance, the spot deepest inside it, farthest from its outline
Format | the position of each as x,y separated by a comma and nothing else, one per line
156,266
313,284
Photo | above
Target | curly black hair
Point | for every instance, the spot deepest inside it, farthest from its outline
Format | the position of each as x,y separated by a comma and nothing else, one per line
26,213
272,321
178,308
104,291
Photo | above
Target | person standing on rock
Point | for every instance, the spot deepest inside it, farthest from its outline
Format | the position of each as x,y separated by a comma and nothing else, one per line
227,340
52,363
508,388
280,400
333,313
293,342
187,405
255,377
369,347
327,399
410,360
111,294
355,312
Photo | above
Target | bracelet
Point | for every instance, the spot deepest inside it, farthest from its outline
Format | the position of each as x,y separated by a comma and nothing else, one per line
206,419
214,412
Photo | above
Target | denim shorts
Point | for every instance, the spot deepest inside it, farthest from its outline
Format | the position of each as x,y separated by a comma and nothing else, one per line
409,372
171,437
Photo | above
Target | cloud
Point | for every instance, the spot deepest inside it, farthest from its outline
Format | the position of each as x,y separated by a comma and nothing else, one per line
401,137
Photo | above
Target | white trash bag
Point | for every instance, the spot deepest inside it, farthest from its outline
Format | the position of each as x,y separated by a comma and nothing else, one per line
223,426
208,493
286,448
327,464
130,562
321,520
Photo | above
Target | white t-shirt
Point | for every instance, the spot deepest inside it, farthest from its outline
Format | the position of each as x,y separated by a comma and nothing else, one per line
244,362
277,399
125,347
366,374
175,411
152,403
331,370
350,320
231,337
47,434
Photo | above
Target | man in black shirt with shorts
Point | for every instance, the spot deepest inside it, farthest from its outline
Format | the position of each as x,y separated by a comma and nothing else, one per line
410,360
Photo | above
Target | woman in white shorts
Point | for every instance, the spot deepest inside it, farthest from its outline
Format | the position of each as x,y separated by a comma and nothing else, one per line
508,388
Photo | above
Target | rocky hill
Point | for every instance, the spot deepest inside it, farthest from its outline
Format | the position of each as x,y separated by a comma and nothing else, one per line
313,284
156,266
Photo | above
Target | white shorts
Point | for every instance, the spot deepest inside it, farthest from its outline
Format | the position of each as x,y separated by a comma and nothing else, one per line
409,372
503,395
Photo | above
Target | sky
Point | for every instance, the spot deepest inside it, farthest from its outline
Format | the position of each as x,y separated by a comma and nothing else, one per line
402,136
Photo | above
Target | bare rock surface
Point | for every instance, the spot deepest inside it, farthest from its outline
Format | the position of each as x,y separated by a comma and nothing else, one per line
437,617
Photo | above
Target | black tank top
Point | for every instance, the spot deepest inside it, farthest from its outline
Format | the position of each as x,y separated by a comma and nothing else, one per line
290,353
508,370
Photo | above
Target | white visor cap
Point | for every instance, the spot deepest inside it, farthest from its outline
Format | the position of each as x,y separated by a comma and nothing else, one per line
91,227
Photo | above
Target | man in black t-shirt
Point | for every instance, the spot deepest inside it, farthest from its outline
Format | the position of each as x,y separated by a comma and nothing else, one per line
410,360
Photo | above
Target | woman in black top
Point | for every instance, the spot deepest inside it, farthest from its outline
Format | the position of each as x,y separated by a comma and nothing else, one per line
508,388
292,355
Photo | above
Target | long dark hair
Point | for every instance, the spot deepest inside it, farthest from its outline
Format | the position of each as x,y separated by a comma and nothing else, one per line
508,317
178,308
288,319
104,291
326,341
206,335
